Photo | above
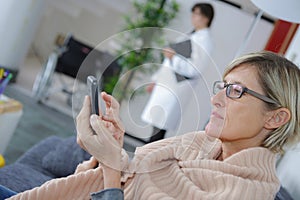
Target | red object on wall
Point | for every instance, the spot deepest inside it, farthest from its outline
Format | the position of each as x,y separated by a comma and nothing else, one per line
281,36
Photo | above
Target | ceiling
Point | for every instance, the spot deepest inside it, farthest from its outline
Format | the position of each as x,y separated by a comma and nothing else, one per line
99,7
249,7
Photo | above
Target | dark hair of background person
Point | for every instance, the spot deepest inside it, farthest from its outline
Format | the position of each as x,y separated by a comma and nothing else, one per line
206,9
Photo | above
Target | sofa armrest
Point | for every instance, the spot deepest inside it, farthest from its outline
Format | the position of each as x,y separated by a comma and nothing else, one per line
20,177
35,155
51,158
64,158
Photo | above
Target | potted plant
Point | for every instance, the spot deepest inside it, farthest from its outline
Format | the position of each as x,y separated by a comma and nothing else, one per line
141,33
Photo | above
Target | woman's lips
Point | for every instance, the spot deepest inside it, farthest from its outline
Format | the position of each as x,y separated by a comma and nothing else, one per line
215,114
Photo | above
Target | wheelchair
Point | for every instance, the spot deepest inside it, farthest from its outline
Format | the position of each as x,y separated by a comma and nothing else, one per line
71,59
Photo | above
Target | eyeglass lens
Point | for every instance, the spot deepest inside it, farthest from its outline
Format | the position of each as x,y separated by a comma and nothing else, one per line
234,91
218,86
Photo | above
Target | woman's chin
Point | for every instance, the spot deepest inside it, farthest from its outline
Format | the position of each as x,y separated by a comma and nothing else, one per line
212,130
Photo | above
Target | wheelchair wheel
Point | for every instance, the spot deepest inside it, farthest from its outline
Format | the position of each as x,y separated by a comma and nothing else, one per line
43,80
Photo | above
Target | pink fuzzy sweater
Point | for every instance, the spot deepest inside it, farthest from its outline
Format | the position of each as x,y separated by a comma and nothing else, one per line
182,167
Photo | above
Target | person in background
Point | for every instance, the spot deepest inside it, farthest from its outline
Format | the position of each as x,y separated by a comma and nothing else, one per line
163,110
255,115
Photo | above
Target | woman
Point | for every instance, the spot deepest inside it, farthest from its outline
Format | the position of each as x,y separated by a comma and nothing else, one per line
174,80
255,115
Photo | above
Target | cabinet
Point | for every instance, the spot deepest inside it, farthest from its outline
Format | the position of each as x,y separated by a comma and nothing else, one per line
10,114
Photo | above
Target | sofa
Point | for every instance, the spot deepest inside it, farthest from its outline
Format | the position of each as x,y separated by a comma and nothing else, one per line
53,157
288,171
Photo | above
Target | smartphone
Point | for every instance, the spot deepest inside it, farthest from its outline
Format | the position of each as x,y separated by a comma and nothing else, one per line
92,84
96,101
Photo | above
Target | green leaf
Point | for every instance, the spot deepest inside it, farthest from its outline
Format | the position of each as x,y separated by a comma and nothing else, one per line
154,13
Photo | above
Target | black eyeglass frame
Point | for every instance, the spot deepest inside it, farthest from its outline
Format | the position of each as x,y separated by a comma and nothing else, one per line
244,89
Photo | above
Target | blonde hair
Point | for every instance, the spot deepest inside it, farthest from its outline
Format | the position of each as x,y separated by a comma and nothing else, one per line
280,81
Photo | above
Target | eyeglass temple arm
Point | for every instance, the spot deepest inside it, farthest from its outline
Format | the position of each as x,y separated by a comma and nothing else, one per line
262,97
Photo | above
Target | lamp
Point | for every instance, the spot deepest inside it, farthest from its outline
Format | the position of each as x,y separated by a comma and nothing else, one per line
287,10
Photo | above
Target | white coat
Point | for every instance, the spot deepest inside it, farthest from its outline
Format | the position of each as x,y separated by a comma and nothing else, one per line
169,97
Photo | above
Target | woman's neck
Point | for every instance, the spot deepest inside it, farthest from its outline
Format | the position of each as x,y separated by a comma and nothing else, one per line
231,147
200,28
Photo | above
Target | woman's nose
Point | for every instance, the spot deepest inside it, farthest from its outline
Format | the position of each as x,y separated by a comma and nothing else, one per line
218,99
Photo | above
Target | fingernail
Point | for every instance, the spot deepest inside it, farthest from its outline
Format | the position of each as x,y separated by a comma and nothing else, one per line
94,117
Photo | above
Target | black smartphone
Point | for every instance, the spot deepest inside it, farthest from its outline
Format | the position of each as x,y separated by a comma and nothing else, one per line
92,84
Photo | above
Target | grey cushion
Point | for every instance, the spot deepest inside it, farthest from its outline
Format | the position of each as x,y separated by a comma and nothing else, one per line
53,157
35,155
283,195
20,177
62,160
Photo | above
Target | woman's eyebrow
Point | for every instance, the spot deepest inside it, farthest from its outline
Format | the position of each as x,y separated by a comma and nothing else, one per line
233,82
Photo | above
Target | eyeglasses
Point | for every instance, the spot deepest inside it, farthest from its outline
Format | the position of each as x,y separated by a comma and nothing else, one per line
236,91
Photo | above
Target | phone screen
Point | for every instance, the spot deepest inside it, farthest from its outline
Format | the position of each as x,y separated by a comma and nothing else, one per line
92,84
93,87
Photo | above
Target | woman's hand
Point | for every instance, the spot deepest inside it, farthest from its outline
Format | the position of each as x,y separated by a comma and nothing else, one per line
149,88
101,136
112,117
86,165
169,53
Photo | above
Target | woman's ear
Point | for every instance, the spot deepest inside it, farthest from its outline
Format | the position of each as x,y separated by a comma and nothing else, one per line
277,118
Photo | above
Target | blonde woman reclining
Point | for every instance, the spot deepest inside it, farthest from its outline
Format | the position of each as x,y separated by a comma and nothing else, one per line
255,114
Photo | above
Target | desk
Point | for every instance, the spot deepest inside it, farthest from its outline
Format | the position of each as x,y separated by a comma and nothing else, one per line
10,114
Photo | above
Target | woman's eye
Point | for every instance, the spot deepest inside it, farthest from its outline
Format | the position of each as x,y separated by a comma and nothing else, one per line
236,90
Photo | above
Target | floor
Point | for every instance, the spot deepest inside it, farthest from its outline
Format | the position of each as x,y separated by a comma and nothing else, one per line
37,122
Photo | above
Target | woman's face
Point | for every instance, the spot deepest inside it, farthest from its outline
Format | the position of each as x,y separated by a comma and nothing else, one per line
198,20
237,119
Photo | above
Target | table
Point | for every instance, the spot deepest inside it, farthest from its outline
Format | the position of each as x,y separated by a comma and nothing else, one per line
10,114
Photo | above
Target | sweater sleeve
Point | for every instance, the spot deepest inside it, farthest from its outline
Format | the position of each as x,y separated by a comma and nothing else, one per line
184,66
77,186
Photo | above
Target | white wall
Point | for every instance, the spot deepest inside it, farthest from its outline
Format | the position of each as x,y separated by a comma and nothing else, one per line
18,21
89,21
229,29
96,20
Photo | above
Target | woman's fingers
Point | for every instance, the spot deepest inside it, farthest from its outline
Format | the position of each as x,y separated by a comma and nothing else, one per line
105,147
168,52
106,99
94,161
83,118
98,136
116,122
99,127
80,143
112,115
110,101
84,130
86,165
86,107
